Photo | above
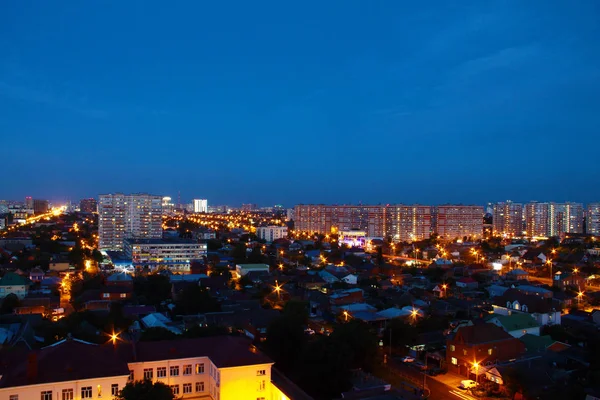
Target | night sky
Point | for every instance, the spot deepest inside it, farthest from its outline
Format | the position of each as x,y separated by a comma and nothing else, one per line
306,102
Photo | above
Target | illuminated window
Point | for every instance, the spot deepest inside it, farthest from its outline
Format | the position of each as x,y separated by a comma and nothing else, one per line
148,373
174,370
452,347
175,389
106,295
99,391
490,352
161,372
199,368
86,392
464,352
123,295
187,370
46,395
114,389
454,361
199,386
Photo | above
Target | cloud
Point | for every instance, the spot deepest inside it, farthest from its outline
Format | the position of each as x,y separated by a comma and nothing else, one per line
49,98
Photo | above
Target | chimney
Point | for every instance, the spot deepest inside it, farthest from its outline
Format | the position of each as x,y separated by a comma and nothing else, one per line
32,367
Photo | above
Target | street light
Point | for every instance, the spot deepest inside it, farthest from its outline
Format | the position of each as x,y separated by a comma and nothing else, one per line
476,366
346,314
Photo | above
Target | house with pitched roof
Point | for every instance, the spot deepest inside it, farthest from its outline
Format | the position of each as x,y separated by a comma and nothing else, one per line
12,283
516,324
480,343
514,301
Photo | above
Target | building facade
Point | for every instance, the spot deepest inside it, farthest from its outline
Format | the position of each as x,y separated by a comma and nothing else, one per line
175,254
507,219
537,219
592,219
120,217
200,205
400,222
215,368
458,221
553,219
271,232
40,206
88,205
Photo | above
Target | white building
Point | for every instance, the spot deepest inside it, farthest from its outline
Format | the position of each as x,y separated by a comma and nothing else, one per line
175,254
200,205
592,219
123,217
12,283
271,232
215,368
243,269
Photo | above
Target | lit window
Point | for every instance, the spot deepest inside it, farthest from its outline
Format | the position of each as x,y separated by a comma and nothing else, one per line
175,389
187,388
148,373
106,295
199,386
46,395
86,392
114,389
161,372
490,352
452,347
99,391
174,370
454,361
123,295
187,370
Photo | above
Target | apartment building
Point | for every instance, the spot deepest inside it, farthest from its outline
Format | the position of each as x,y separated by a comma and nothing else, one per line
553,219
271,232
123,217
215,368
593,219
537,219
507,218
88,205
175,254
457,221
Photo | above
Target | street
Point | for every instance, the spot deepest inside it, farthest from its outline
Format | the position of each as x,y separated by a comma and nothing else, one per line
436,386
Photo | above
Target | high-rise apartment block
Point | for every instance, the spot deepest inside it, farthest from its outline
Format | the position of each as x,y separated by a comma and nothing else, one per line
400,222
121,216
592,219
40,206
271,232
88,205
458,221
200,205
508,218
553,219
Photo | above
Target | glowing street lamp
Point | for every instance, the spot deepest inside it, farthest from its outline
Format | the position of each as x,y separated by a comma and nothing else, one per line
346,314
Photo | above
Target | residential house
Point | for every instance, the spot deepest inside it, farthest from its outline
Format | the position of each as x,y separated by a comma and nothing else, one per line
496,290
564,280
542,309
518,274
516,324
12,283
36,275
116,293
120,279
347,296
480,343
467,283
535,290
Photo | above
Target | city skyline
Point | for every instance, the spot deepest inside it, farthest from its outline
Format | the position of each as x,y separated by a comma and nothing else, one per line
465,103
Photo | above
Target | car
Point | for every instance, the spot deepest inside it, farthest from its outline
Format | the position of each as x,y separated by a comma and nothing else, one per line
407,359
467,384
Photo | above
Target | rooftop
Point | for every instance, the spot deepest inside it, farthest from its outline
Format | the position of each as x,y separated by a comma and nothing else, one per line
481,333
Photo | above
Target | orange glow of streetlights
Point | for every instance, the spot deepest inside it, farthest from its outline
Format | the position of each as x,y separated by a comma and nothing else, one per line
346,314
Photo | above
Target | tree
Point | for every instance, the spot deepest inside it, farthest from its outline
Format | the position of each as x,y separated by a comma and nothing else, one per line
155,288
9,304
146,390
196,300
239,253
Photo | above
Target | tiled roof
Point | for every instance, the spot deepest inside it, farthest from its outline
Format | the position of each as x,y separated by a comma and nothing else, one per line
535,304
223,351
12,279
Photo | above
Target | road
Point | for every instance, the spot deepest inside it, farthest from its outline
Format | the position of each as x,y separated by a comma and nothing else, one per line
438,390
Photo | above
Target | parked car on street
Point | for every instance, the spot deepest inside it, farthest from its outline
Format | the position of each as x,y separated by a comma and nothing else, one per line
467,384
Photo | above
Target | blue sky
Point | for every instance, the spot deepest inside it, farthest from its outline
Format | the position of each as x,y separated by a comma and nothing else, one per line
279,102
